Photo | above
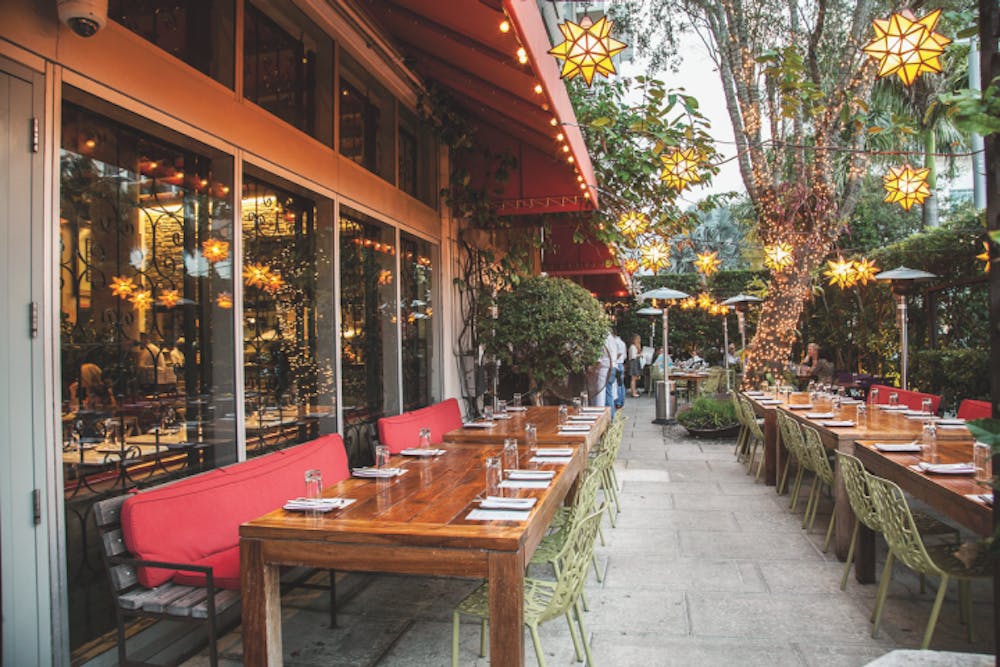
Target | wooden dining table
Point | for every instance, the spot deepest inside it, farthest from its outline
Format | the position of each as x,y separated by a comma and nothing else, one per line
415,523
546,420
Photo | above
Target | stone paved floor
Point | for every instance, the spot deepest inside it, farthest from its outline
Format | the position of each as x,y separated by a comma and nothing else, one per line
705,567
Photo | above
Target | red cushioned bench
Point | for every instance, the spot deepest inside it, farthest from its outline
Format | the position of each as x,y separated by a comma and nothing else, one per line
172,551
401,431
971,409
911,399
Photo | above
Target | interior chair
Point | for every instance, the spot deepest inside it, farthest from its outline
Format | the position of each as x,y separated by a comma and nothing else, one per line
907,545
819,464
543,599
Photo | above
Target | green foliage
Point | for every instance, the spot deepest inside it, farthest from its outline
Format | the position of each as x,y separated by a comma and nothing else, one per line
975,111
548,328
875,223
955,374
708,413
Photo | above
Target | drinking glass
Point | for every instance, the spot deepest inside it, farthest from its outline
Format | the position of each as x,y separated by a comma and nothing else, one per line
424,439
381,456
563,413
530,435
314,483
493,474
928,442
576,404
862,416
925,406
501,407
835,399
510,460
982,459
893,399
584,397
488,412
873,396
515,400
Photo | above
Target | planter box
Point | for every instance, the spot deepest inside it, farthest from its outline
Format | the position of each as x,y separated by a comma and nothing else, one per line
725,432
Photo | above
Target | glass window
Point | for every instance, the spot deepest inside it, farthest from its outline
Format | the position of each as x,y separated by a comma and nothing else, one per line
199,32
417,159
368,325
416,278
288,67
146,337
288,316
367,119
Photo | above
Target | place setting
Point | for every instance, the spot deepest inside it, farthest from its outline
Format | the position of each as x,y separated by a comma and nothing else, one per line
313,501
381,469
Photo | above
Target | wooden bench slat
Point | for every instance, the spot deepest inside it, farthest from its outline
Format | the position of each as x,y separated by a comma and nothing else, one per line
138,598
223,600
114,542
163,596
182,606
123,577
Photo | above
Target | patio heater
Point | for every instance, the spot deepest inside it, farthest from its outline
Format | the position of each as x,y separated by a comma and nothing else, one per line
664,409
903,282
651,312
740,303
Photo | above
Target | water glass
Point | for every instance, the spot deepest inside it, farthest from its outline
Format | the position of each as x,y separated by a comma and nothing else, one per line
893,400
862,415
576,404
314,483
873,396
563,413
836,399
515,400
424,439
488,412
493,475
982,459
381,456
530,435
928,442
510,460
584,397
501,407
925,406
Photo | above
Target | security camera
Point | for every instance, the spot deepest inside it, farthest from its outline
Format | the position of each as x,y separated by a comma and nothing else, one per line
84,17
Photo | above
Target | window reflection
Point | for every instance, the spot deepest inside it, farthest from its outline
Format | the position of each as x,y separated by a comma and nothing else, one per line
416,265
288,336
367,119
146,341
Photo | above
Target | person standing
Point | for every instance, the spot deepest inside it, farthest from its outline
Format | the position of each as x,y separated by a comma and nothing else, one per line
634,365
621,354
600,375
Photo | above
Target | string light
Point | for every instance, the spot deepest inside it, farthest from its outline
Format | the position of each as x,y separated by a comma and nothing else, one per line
504,26
522,55
707,263
907,46
906,186
587,48
778,256
680,168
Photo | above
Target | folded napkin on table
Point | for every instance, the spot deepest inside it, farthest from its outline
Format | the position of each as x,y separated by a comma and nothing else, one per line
947,468
819,415
525,484
531,474
497,515
554,451
837,422
984,498
501,503
551,459
377,472
799,406
893,408
897,446
592,408
317,504
574,428
478,425
517,408
417,451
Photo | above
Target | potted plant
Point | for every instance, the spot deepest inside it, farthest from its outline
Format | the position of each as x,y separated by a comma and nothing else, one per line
710,418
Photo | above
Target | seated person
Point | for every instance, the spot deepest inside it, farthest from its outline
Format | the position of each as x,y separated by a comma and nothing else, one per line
814,367
656,368
90,391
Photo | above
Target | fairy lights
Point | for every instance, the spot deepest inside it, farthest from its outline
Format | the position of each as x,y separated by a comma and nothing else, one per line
587,48
907,46
707,263
906,186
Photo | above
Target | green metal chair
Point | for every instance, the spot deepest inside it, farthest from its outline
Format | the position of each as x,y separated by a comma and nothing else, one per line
819,464
543,599
791,436
756,435
606,456
743,437
907,545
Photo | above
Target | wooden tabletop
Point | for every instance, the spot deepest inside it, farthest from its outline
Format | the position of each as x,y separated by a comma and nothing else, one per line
945,493
411,524
546,420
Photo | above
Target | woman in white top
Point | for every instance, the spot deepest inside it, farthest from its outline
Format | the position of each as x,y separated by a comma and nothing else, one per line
634,365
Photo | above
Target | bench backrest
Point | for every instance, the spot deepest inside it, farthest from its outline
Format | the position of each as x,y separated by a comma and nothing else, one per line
401,431
971,409
199,516
911,399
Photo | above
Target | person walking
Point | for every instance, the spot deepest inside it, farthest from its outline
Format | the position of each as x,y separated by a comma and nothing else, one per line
634,364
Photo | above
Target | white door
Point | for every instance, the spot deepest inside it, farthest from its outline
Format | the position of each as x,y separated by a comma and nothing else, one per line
24,537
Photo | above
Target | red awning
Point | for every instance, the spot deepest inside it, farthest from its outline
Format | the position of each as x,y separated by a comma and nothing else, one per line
589,264
460,46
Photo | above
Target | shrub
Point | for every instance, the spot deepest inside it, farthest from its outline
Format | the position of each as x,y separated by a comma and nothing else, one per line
955,374
708,413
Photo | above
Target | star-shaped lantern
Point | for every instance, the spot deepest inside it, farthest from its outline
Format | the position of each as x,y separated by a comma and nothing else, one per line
841,272
122,287
719,309
142,299
689,303
656,256
907,46
707,262
778,256
632,224
865,270
224,300
680,168
587,49
274,282
984,256
705,301
631,265
906,186
215,250
169,298
256,275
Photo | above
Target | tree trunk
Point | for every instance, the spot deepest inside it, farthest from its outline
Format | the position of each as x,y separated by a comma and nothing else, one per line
929,214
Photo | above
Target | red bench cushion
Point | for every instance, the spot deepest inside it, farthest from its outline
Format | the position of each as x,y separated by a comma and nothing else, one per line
911,399
401,431
197,519
970,409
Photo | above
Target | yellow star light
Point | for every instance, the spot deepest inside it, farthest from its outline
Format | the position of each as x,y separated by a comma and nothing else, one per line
841,272
215,250
705,301
906,186
865,270
707,262
224,300
778,256
689,303
122,287
631,265
907,46
633,223
169,298
680,168
256,275
142,300
984,256
719,309
656,256
274,282
587,49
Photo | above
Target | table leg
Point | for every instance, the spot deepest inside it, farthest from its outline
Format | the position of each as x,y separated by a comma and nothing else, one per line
261,593
772,448
864,556
506,577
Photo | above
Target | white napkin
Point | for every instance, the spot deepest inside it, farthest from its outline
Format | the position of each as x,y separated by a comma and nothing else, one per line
951,427
501,503
951,422
497,515
478,425
496,416
574,428
893,408
947,468
377,472
592,408
984,498
849,401
819,415
799,406
753,394
550,459
585,418
770,401
837,422
554,451
417,451
897,446
525,484
531,474
317,504
516,408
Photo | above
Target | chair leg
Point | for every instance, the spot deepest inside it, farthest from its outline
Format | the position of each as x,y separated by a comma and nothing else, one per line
850,554
829,530
935,610
572,634
482,638
784,475
454,639
883,590
600,533
213,645
583,636
812,500
760,466
536,640
796,488
597,570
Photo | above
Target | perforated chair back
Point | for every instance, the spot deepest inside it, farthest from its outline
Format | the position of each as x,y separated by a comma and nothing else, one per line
858,492
898,526
817,454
